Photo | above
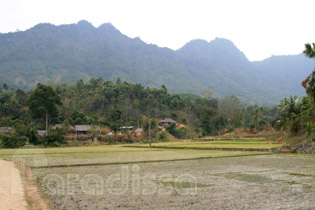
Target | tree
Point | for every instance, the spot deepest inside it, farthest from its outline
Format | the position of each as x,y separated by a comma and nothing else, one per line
309,50
115,121
229,107
43,103
309,82
256,114
207,93
5,86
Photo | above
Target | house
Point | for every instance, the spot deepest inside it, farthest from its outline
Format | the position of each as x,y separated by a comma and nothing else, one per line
166,121
106,131
85,129
6,130
59,126
126,129
41,133
138,130
181,125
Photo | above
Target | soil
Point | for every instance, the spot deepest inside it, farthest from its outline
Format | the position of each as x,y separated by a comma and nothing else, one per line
36,199
256,182
11,188
18,188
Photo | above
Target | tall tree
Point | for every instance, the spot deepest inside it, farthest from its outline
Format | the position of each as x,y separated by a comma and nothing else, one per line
43,102
309,82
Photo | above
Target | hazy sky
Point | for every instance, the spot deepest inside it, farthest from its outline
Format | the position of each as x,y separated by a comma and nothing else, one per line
259,28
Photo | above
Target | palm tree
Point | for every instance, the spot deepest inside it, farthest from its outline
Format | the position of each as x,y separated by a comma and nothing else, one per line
309,50
309,82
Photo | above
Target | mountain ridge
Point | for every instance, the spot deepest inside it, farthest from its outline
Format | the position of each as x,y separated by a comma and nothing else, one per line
70,52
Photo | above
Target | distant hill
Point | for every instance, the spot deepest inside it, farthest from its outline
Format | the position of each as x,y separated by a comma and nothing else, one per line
67,53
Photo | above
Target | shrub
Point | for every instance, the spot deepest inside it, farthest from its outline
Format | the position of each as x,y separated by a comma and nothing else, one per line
56,144
33,136
163,136
177,132
53,138
110,140
13,141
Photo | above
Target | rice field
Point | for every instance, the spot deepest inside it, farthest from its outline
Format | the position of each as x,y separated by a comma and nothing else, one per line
125,177
239,144
111,154
248,182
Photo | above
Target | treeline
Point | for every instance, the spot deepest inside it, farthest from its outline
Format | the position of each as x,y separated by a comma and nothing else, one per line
113,105
298,113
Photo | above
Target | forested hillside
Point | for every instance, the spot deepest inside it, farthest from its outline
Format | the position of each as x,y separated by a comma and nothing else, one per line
114,105
68,53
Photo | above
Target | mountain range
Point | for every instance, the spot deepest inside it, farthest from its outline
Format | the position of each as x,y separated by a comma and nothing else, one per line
67,53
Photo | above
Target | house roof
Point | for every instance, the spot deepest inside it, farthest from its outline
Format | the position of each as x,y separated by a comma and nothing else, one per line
167,120
6,130
139,130
57,126
126,127
82,128
41,132
106,129
181,126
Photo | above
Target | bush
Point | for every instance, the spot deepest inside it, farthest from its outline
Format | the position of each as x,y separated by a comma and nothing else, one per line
163,136
13,141
179,133
33,136
110,140
54,138
56,144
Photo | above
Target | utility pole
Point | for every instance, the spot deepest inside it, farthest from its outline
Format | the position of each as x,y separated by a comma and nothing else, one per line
150,133
302,124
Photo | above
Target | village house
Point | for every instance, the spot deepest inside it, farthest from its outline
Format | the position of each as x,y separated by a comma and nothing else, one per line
41,133
165,122
6,130
85,129
60,126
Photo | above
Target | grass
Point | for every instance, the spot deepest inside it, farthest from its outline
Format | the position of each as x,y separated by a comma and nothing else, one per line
69,150
111,154
217,144
234,138
124,154
250,178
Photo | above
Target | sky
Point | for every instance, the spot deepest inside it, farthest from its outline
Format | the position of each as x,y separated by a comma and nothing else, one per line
259,28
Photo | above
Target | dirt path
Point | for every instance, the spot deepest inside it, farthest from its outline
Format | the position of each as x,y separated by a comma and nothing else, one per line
19,190
11,188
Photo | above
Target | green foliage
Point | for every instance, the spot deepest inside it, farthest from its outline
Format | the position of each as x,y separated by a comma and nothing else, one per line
309,50
43,102
99,102
110,140
163,136
179,133
54,138
13,140
33,136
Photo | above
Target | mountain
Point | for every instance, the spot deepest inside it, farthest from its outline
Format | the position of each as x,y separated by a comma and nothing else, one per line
67,53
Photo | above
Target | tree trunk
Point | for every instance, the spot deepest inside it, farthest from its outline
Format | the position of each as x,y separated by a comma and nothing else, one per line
302,125
150,132
46,122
